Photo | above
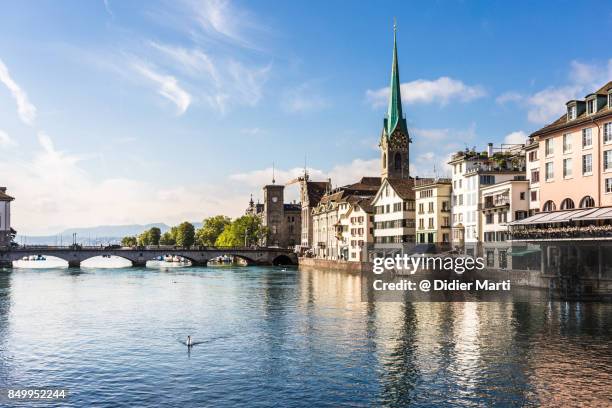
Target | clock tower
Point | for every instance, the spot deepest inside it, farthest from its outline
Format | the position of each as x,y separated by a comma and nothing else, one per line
394,140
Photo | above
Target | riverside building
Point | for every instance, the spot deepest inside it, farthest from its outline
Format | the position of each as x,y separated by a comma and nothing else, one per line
433,210
471,171
6,231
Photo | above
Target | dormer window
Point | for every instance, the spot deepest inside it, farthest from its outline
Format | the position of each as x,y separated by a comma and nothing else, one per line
610,99
591,106
571,112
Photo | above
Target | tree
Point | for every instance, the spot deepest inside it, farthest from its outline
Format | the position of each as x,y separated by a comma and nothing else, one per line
211,229
185,234
128,241
154,236
248,226
143,239
167,239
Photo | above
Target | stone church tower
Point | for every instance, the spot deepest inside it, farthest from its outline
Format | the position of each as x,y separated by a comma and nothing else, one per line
394,141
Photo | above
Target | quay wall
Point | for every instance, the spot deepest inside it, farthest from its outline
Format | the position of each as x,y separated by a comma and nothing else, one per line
341,266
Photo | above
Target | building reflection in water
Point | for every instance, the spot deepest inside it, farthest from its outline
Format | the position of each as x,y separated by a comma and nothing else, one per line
507,353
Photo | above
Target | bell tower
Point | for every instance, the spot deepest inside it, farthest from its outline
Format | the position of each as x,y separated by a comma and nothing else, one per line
395,140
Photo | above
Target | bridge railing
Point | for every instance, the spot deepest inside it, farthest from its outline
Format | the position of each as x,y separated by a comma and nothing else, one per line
140,248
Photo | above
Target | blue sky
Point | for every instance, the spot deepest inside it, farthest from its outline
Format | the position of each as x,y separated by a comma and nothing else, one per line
117,112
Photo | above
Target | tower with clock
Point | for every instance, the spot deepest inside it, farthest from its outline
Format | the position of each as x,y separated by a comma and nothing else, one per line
395,140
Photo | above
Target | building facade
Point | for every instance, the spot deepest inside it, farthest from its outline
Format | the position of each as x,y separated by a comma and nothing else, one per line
6,231
283,220
471,171
501,204
433,210
356,219
394,213
575,152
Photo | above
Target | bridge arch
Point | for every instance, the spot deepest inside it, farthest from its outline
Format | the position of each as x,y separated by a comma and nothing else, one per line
282,260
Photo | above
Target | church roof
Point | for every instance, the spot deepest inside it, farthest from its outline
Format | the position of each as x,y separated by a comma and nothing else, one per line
403,187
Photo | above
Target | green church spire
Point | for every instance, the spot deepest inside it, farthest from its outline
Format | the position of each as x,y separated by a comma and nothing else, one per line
395,116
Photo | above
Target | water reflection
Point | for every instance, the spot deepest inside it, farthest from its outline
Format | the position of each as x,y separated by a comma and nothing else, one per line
291,338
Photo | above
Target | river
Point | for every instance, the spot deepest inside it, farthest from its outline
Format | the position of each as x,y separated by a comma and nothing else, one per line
274,337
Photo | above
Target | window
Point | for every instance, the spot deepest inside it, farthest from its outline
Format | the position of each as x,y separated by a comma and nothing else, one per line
535,176
548,147
567,143
490,258
591,107
587,164
398,161
587,138
607,159
567,204
587,202
609,185
533,156
522,195
571,112
421,208
567,167
549,171
549,206
534,195
489,219
607,132
431,207
431,223
487,179
503,260
610,100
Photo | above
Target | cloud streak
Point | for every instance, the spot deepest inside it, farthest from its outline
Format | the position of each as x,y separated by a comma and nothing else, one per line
167,86
26,111
440,91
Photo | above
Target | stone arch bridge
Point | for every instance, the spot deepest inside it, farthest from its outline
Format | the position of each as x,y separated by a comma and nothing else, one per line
140,256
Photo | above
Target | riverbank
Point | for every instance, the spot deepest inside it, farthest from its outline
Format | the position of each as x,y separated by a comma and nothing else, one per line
341,266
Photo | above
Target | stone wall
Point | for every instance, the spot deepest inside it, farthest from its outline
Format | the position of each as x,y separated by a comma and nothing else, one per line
342,266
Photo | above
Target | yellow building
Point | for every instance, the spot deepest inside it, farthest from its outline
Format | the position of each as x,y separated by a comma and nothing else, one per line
433,210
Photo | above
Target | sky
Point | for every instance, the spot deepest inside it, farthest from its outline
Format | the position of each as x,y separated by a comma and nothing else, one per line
115,112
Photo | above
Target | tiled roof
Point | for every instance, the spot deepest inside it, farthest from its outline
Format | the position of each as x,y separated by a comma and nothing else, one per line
315,190
403,187
562,122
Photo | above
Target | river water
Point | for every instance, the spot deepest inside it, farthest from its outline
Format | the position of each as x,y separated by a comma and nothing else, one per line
274,337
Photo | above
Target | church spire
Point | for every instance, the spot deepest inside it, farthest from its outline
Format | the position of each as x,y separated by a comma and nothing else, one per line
395,116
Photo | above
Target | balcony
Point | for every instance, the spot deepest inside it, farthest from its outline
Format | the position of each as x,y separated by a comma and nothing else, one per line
497,201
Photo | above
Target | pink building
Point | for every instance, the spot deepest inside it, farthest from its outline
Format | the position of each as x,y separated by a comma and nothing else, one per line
574,155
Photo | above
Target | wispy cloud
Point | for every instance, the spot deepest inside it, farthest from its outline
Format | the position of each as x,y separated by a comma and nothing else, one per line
26,111
5,140
440,91
548,104
167,86
303,98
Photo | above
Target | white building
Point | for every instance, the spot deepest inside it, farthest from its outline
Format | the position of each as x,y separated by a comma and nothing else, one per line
471,172
5,217
533,175
394,213
357,228
501,204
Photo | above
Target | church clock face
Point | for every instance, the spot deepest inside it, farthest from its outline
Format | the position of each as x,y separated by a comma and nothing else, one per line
398,141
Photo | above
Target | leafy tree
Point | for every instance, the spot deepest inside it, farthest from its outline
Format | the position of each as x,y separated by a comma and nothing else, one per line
128,241
185,234
144,239
167,239
234,234
211,229
154,236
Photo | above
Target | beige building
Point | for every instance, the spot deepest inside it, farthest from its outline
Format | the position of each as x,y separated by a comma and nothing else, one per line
501,204
575,154
5,218
433,210
532,159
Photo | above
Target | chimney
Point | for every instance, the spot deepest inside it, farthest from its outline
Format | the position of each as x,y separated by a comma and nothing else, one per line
489,149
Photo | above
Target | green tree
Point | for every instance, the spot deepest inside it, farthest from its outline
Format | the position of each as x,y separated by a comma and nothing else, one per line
211,229
154,236
167,239
247,226
144,239
185,234
128,241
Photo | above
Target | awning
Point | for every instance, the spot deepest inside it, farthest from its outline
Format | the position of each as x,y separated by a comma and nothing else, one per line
523,251
562,216
604,213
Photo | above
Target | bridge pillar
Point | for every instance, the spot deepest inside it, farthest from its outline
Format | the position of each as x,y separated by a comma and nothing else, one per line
74,263
139,263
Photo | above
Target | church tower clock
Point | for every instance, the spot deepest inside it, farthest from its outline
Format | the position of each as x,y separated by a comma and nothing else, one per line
394,140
